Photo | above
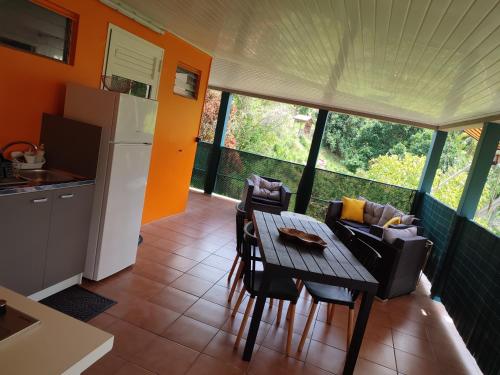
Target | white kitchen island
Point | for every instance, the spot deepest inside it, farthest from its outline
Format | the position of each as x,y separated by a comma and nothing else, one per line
58,345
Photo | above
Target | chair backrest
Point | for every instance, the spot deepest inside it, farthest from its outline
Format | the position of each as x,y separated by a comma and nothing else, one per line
343,233
366,254
249,257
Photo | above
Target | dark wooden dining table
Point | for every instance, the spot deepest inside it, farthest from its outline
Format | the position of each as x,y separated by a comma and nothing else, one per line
334,265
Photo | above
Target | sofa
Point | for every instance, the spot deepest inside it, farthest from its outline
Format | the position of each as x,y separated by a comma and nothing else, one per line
399,269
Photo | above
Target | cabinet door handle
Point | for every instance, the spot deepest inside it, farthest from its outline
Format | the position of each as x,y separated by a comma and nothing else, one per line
41,200
67,196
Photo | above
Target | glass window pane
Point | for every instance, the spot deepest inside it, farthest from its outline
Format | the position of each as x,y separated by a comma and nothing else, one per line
453,168
32,28
127,86
186,83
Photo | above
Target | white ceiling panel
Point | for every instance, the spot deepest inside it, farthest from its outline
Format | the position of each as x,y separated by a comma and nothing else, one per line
433,62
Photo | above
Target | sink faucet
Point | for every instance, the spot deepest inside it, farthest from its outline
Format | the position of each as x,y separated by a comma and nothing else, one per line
33,146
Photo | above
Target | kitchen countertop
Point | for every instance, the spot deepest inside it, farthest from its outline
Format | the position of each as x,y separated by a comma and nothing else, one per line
33,186
58,345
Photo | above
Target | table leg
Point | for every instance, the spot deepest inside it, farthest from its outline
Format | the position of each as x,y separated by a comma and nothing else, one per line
256,317
359,331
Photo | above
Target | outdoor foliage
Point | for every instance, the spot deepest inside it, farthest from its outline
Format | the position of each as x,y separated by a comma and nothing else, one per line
357,140
272,137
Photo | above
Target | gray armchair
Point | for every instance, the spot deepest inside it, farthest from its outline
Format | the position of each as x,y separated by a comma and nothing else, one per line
253,202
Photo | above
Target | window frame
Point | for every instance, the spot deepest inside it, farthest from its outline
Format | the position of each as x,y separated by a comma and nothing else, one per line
192,70
72,31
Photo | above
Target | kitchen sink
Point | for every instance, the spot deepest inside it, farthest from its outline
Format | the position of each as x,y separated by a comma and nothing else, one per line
44,175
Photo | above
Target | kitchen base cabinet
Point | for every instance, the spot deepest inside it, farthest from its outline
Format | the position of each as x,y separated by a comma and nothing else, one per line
24,230
43,237
68,234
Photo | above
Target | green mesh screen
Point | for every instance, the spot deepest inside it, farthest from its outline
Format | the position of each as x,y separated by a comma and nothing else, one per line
331,185
471,294
235,166
200,165
438,221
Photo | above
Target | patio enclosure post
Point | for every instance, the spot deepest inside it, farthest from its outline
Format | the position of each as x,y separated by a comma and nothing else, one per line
306,181
432,161
430,168
219,136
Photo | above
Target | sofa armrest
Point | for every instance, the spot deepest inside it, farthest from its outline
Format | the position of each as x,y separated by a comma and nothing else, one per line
410,244
377,230
333,213
285,195
417,222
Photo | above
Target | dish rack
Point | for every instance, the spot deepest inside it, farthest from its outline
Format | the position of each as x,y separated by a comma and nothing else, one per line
23,165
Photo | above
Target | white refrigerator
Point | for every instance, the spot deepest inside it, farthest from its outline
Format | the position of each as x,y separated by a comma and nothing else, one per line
128,124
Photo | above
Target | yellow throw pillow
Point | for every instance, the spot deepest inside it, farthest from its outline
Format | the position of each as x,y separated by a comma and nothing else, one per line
395,220
352,209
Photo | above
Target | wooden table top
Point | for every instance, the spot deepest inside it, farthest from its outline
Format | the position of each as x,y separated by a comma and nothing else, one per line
334,265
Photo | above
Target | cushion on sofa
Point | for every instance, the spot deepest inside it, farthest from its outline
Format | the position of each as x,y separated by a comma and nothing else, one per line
394,221
407,219
391,234
352,209
388,213
373,211
265,189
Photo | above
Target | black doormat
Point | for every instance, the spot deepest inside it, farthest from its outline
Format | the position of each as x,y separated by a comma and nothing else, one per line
78,302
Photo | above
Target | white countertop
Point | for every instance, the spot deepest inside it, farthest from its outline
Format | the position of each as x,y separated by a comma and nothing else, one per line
58,345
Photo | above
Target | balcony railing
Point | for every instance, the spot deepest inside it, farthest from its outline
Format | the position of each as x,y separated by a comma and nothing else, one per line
235,166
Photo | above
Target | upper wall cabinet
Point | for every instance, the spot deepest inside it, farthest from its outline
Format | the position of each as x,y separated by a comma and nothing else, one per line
30,27
129,57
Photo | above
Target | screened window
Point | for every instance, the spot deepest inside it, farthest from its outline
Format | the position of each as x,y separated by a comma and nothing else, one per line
32,28
186,83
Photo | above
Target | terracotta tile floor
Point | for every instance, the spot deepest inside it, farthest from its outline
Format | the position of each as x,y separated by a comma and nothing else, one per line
172,315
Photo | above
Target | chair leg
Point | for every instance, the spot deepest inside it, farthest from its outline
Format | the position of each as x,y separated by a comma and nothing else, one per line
291,309
310,318
238,302
235,262
280,309
244,322
331,311
299,285
271,301
350,327
235,281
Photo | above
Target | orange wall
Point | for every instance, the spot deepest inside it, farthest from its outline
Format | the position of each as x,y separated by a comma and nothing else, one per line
30,85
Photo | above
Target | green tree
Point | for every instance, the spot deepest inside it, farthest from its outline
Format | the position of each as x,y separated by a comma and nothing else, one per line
357,140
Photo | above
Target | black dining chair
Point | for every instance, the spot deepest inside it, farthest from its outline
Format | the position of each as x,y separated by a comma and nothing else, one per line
240,223
282,289
335,295
345,235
